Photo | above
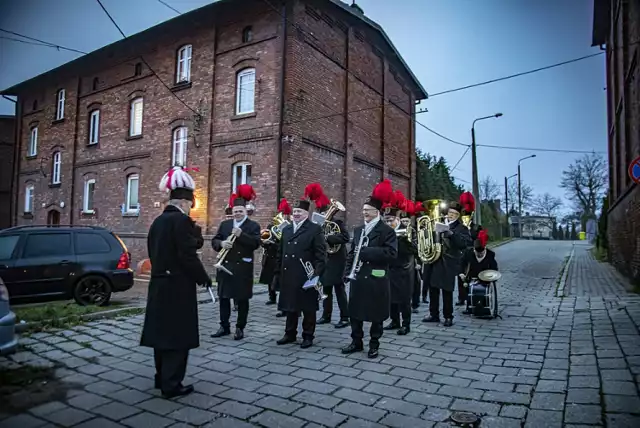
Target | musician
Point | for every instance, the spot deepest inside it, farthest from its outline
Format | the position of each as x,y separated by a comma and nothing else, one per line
270,247
228,211
468,207
332,279
401,269
302,246
369,292
445,270
239,261
171,318
417,277
475,261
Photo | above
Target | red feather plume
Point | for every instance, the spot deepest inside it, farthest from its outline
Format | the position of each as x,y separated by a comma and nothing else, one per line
322,201
313,191
409,207
232,198
468,202
246,192
383,191
399,199
483,237
418,207
284,207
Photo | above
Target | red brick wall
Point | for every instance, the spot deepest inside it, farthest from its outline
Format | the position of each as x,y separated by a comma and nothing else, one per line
7,149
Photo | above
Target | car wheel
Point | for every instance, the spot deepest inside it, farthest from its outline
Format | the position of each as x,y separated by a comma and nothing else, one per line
92,290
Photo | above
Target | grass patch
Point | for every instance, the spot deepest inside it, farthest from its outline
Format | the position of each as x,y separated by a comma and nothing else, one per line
495,242
600,254
562,269
57,310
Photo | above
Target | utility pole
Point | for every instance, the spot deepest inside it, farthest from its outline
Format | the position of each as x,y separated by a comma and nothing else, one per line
477,219
506,204
520,196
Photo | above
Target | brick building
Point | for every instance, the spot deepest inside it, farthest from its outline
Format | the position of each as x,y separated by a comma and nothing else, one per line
274,93
7,153
616,26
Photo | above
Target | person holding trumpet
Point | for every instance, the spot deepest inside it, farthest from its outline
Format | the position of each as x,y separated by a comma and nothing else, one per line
270,242
235,242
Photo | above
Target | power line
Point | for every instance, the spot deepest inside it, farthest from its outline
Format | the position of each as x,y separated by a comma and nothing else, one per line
44,43
539,149
460,160
170,7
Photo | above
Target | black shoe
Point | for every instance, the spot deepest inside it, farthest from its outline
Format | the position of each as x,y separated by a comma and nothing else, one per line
403,330
460,303
239,334
430,319
448,322
342,324
178,392
391,326
286,339
373,352
353,347
221,332
270,302
323,320
156,382
415,310
280,314
306,343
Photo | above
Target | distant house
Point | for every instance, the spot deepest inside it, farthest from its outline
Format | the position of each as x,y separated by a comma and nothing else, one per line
533,226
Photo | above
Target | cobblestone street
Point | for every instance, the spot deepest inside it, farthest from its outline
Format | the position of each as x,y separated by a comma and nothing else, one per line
549,362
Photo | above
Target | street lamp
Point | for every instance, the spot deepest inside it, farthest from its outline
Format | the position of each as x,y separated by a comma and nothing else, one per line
474,166
506,201
520,196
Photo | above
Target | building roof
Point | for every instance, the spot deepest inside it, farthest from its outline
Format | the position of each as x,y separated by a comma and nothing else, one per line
601,20
92,56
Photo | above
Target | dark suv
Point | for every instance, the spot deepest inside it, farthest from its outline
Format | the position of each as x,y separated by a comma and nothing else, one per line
84,262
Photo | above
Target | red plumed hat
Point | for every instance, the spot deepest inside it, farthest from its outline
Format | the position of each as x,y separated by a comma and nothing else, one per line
482,238
232,198
245,194
418,208
284,207
399,200
408,208
468,202
313,191
381,194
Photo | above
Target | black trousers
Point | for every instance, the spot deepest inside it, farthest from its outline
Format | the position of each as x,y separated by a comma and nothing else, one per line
308,324
341,297
426,279
375,332
463,291
417,286
434,303
225,313
171,367
403,309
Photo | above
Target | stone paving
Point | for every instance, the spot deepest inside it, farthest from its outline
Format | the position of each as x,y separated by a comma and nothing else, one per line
549,362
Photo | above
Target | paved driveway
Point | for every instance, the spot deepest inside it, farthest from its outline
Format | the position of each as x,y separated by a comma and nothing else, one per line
549,362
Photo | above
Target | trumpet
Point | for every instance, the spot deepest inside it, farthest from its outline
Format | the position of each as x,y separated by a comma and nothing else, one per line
308,268
222,255
357,263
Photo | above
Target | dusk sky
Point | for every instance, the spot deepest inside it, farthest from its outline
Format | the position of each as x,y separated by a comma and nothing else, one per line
447,44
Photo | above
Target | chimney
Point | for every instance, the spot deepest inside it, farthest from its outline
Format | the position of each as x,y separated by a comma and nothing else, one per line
356,8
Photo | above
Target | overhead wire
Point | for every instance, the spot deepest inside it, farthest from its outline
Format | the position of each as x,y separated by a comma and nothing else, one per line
539,149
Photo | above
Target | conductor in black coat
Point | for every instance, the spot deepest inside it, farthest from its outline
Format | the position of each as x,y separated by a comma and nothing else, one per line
171,318
238,261
302,244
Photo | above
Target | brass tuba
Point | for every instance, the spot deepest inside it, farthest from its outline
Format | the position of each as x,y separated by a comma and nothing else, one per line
329,227
467,218
429,245
275,232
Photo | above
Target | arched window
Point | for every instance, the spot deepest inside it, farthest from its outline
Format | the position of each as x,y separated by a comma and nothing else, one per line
180,136
183,64
87,201
247,34
29,192
94,127
35,105
132,204
245,91
135,119
60,97
33,142
138,69
94,85
55,168
241,174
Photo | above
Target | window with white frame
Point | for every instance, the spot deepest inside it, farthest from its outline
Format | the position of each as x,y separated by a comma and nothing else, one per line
94,127
183,64
180,136
33,142
132,205
55,168
245,91
28,198
60,104
241,175
135,127
89,190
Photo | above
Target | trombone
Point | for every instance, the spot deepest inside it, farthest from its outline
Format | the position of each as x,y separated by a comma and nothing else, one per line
308,268
222,255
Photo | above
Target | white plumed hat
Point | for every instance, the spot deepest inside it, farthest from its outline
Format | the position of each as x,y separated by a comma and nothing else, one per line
179,183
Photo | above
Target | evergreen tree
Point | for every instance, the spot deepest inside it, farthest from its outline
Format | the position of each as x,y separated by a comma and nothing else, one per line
560,233
574,235
601,240
554,231
433,179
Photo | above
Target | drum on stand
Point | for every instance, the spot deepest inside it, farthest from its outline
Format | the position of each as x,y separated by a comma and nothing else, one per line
483,294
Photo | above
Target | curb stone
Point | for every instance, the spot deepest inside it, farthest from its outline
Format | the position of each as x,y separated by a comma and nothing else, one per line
565,273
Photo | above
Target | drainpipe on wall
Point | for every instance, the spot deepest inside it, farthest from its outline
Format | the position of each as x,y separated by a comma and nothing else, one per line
15,165
282,83
72,206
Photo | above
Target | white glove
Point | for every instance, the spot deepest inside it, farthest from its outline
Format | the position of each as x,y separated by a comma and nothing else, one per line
226,245
462,276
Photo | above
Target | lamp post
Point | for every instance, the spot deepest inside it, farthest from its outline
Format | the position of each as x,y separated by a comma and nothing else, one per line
474,167
506,201
520,196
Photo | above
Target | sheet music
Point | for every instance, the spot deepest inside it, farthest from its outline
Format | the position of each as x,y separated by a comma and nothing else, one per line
441,227
311,282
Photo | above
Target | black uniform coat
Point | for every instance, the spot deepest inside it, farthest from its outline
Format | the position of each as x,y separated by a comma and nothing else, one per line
369,293
239,260
268,261
449,265
471,267
308,244
171,318
334,271
402,270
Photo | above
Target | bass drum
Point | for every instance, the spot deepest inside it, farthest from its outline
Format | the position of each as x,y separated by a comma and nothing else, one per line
483,299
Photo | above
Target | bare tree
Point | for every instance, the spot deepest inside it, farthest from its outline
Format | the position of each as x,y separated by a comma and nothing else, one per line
547,206
585,182
489,189
512,192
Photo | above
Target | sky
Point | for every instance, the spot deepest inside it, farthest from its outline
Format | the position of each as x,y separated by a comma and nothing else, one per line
447,44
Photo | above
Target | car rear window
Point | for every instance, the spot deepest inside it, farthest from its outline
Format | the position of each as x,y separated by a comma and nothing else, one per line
7,246
91,243
47,244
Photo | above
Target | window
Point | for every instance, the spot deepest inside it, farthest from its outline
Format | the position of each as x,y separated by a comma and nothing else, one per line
89,190
131,204
33,142
60,105
28,199
94,127
137,71
247,34
135,127
91,243
245,91
241,175
183,64
94,85
47,245
35,105
7,246
180,146
55,168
